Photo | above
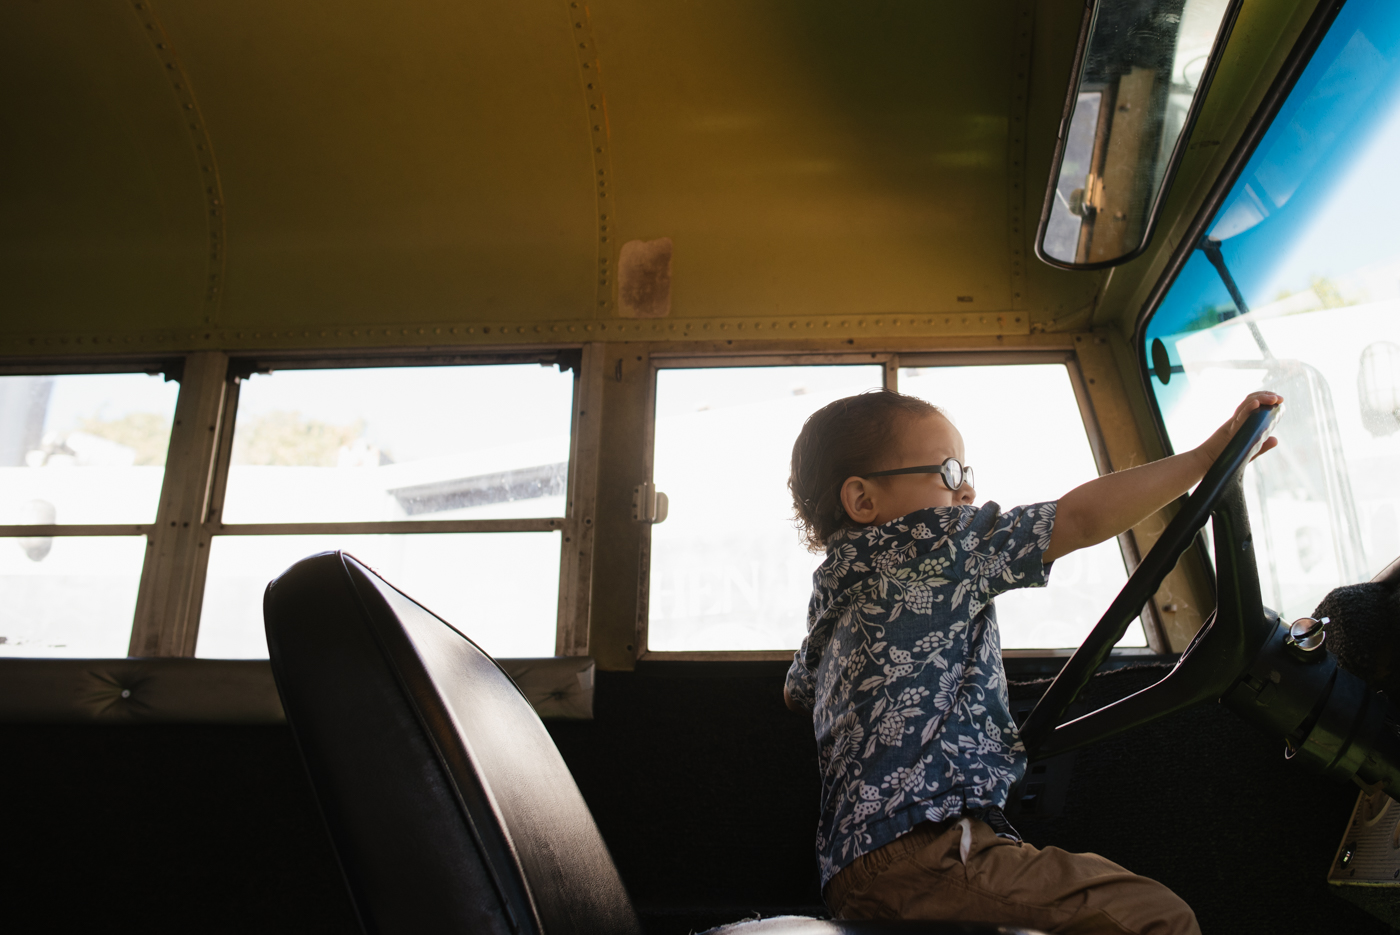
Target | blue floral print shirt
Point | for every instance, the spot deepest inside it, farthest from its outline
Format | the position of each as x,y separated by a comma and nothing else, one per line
902,670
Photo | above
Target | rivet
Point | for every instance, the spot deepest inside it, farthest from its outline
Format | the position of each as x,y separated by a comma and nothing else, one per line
126,693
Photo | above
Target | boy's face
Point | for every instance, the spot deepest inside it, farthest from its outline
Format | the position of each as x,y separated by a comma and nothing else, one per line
926,439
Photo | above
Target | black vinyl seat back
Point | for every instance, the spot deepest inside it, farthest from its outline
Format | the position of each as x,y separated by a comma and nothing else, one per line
448,804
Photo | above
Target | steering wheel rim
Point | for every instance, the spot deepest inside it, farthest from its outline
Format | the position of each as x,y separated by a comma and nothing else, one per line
1219,652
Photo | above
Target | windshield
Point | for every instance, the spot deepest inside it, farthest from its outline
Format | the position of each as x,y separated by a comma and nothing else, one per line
1296,288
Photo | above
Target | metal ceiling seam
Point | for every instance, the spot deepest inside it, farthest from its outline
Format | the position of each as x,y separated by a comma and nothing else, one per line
600,135
203,151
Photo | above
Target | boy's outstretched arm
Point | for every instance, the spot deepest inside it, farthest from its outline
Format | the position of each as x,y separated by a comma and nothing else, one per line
1114,503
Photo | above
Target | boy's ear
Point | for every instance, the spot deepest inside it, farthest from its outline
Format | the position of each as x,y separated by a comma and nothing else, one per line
857,496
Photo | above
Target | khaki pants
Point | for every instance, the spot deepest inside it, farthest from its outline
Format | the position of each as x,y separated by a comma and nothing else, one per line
960,870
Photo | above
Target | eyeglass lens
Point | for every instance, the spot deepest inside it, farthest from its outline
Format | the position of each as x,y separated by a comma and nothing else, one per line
955,475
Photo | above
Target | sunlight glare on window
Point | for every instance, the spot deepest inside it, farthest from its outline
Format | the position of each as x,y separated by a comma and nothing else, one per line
1025,438
424,443
499,589
727,569
83,448
77,601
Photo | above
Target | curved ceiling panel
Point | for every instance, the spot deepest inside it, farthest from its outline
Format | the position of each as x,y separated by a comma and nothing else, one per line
415,161
104,210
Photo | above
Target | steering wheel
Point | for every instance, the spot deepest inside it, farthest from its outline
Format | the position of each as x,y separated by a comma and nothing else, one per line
1225,645
1278,677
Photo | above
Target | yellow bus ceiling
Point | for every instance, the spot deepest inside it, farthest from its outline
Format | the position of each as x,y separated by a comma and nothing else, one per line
197,173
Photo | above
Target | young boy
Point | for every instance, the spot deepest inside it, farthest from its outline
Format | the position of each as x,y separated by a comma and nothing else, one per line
902,670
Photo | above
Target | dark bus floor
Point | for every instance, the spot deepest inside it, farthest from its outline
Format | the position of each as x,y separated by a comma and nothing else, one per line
705,790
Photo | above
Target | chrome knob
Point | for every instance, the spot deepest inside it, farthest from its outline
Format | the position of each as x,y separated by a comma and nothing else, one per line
1306,634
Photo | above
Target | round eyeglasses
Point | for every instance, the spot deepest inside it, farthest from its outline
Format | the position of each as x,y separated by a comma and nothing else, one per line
953,472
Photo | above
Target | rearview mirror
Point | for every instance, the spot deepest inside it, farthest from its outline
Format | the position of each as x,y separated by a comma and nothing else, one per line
1142,71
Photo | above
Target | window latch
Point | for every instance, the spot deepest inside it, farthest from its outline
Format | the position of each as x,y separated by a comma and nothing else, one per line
649,505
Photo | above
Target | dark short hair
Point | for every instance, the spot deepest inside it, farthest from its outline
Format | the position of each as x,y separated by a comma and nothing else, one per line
840,440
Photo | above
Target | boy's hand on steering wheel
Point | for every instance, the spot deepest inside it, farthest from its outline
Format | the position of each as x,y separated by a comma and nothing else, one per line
1213,446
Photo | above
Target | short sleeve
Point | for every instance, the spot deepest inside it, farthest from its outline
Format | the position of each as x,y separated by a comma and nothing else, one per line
1006,548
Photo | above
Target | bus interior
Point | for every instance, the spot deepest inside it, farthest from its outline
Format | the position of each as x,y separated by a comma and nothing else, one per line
495,297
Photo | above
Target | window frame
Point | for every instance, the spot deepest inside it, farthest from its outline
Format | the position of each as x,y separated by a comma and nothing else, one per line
891,361
173,575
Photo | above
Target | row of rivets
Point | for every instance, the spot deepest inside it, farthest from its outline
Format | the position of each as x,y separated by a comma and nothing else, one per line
978,324
596,106
203,152
1016,151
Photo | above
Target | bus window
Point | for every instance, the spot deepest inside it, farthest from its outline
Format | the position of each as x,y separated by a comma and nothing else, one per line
501,589
423,443
727,569
1025,436
1294,286
82,454
450,481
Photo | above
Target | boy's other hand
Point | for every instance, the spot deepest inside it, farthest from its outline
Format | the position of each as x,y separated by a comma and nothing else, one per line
1213,446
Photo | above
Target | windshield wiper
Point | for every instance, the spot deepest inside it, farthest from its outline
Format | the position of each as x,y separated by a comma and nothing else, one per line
1211,248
